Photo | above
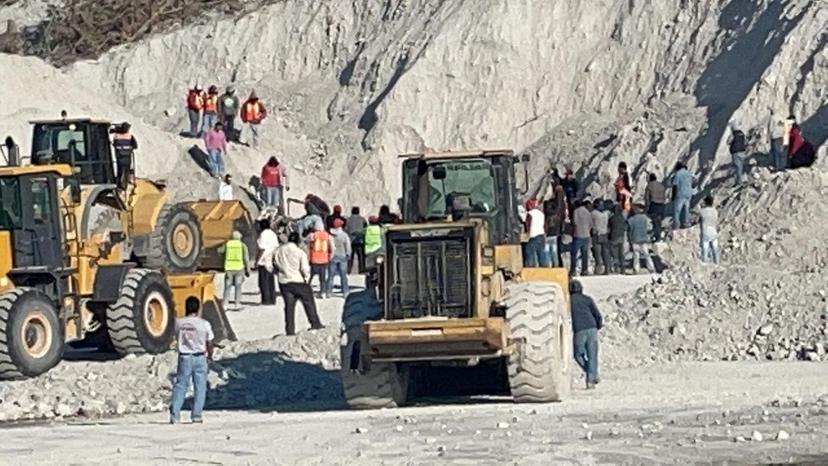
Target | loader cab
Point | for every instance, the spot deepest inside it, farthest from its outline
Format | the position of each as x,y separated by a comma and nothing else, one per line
31,239
80,143
454,186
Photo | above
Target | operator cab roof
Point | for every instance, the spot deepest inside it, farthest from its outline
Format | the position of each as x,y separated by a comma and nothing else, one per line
64,121
459,154
60,169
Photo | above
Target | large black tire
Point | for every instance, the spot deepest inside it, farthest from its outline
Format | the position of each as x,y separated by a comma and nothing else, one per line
31,334
175,244
380,385
540,325
142,319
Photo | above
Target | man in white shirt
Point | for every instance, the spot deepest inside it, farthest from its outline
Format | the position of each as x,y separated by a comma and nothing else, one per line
293,272
267,243
536,226
195,349
226,189
709,240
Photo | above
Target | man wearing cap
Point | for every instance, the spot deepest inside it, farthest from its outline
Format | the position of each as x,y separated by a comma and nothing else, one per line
228,108
341,256
236,268
586,321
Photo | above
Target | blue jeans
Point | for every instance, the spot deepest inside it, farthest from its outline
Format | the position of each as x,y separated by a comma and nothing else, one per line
195,119
738,166
339,266
190,367
586,353
780,156
579,246
209,120
710,251
552,251
273,196
536,252
215,161
681,212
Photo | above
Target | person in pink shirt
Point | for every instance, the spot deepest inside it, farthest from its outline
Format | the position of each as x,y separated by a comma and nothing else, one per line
216,144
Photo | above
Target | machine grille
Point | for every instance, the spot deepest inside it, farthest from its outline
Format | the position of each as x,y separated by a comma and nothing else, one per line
430,277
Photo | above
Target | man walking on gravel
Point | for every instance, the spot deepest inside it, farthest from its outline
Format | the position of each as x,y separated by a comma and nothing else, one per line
586,321
293,272
195,349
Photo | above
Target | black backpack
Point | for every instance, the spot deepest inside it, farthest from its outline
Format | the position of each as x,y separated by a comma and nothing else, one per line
737,144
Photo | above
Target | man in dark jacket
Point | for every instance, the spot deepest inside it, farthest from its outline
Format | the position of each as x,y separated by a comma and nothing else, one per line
617,238
554,209
586,321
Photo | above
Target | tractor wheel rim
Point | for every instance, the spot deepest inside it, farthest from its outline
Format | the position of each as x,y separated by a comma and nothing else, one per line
36,334
182,240
156,314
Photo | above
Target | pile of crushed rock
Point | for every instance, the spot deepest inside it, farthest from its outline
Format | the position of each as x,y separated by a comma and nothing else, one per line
261,374
768,300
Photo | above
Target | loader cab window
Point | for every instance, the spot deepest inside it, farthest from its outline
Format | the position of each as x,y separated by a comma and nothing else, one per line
472,179
9,203
41,202
76,144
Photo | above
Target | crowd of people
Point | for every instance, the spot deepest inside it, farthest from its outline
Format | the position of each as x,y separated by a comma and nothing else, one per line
213,117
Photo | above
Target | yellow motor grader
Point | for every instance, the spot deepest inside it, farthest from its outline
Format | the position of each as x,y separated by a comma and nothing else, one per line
87,254
451,308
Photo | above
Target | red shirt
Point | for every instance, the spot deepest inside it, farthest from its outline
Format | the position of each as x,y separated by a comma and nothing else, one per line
272,176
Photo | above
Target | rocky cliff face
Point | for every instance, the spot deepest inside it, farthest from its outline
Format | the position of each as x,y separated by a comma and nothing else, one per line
354,82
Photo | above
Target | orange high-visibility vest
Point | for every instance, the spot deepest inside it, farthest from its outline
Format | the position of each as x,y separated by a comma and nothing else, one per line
195,101
319,251
252,112
211,103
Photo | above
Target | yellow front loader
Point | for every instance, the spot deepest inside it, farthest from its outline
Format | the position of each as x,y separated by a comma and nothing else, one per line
83,258
452,308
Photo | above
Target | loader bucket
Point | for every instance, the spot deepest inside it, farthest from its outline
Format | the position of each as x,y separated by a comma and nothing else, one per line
200,285
218,219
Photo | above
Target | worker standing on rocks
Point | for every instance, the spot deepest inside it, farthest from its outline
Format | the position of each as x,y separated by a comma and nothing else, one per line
293,271
709,219
640,239
195,103
335,215
341,256
682,193
586,321
355,227
236,268
195,350
571,187
738,148
210,113
267,243
274,180
582,220
226,189
600,238
320,251
655,201
215,142
228,108
535,253
253,112
776,135
623,187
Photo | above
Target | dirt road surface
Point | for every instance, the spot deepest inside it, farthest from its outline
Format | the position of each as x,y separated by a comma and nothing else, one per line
677,413
661,414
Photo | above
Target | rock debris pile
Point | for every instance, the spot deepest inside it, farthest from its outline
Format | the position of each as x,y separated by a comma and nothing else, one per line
246,375
768,300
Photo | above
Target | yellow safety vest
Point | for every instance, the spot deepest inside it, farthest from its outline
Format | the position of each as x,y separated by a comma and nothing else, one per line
234,256
373,238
